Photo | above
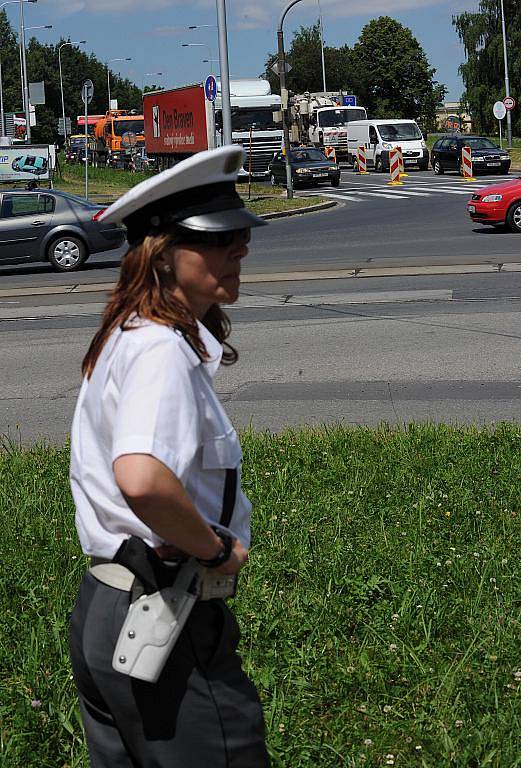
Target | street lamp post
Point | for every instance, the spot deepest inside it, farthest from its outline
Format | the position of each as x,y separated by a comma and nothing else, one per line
69,42
225,72
108,73
2,115
322,47
507,82
284,95
199,45
25,84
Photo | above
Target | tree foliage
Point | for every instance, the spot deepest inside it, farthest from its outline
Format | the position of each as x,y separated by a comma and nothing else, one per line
395,79
387,69
484,71
77,66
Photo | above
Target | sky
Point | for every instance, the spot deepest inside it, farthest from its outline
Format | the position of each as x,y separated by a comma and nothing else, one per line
153,37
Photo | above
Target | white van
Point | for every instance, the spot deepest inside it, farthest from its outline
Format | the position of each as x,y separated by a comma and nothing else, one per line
380,136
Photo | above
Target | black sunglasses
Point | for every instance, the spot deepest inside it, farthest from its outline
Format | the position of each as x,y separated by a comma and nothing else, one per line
214,239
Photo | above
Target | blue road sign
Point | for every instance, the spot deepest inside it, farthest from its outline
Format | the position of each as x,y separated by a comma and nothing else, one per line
210,88
349,101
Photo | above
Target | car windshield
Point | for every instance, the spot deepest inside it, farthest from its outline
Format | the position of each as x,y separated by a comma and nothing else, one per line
479,143
308,156
399,132
260,119
333,117
128,126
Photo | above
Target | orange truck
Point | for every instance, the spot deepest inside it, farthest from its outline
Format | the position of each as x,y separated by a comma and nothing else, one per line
120,135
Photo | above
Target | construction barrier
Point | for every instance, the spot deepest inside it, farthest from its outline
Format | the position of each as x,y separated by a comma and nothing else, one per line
466,164
330,153
402,166
394,167
361,159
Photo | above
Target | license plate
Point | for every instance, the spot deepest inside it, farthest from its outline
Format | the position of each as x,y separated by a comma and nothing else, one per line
319,175
472,209
493,164
410,160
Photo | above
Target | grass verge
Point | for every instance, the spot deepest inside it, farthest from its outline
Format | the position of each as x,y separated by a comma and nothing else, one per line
380,610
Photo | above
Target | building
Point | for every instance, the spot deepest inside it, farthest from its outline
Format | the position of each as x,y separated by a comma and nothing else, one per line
453,116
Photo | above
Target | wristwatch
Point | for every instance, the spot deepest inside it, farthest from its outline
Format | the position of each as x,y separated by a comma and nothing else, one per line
224,554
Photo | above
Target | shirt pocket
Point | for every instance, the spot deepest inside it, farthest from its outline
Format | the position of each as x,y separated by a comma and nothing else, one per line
222,451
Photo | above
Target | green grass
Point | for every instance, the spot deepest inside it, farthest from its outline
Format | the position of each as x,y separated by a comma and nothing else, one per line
380,610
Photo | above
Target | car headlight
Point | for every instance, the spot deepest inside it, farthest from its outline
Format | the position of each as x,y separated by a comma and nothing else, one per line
386,145
491,198
477,159
504,157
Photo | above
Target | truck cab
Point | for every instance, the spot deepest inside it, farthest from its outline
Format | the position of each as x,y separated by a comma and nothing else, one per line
253,123
119,135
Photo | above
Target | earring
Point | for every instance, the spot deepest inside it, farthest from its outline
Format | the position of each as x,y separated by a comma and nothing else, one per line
167,268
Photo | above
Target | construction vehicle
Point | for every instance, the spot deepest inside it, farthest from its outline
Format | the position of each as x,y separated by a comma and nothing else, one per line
321,119
119,135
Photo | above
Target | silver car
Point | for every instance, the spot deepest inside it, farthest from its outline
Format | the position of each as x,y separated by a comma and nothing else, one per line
49,225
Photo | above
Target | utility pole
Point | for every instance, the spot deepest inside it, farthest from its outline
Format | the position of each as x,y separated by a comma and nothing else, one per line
225,73
322,47
507,82
281,65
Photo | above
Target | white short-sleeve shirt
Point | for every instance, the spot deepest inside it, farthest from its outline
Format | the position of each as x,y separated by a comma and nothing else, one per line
151,393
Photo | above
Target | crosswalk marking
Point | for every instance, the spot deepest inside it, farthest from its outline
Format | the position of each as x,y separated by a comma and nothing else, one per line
388,194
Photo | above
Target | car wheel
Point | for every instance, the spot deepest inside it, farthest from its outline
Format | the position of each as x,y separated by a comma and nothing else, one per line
335,182
378,166
66,253
514,217
438,168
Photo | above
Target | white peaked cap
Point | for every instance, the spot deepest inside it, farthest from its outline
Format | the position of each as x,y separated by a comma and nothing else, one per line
197,193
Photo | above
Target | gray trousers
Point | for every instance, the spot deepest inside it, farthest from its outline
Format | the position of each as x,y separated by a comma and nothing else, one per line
203,711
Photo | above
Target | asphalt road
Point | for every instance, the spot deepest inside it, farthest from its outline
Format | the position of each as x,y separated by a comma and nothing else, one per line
421,223
440,347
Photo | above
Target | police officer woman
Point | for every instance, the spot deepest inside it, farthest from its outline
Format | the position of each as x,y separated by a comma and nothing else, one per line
155,476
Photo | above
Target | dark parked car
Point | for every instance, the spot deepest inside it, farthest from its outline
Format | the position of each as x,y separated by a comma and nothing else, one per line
308,166
486,156
53,226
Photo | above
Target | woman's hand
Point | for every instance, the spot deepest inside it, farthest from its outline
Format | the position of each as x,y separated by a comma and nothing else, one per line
238,558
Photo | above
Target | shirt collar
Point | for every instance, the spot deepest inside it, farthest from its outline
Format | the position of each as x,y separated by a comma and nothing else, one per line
213,347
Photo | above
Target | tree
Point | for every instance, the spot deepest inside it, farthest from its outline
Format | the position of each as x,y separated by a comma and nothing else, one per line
484,72
305,57
150,88
77,66
387,69
395,79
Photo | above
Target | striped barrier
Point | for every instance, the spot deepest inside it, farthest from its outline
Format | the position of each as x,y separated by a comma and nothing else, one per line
361,159
402,166
394,167
330,153
466,164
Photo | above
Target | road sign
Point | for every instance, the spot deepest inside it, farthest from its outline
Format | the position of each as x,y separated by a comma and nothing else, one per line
509,102
349,101
87,91
275,67
61,132
499,110
210,88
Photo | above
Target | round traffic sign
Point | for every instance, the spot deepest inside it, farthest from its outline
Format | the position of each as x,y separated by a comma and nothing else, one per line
509,102
87,91
210,88
499,110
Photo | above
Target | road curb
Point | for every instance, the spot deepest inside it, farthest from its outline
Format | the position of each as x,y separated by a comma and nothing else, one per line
295,211
357,273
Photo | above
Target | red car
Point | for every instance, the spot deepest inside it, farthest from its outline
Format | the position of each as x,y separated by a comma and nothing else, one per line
498,205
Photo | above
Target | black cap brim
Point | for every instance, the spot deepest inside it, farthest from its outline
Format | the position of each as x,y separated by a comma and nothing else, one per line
221,221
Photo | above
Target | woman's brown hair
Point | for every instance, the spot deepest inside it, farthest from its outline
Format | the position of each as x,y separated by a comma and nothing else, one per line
139,293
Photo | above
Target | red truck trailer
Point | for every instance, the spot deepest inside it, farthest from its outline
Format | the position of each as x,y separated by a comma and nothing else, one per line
178,123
